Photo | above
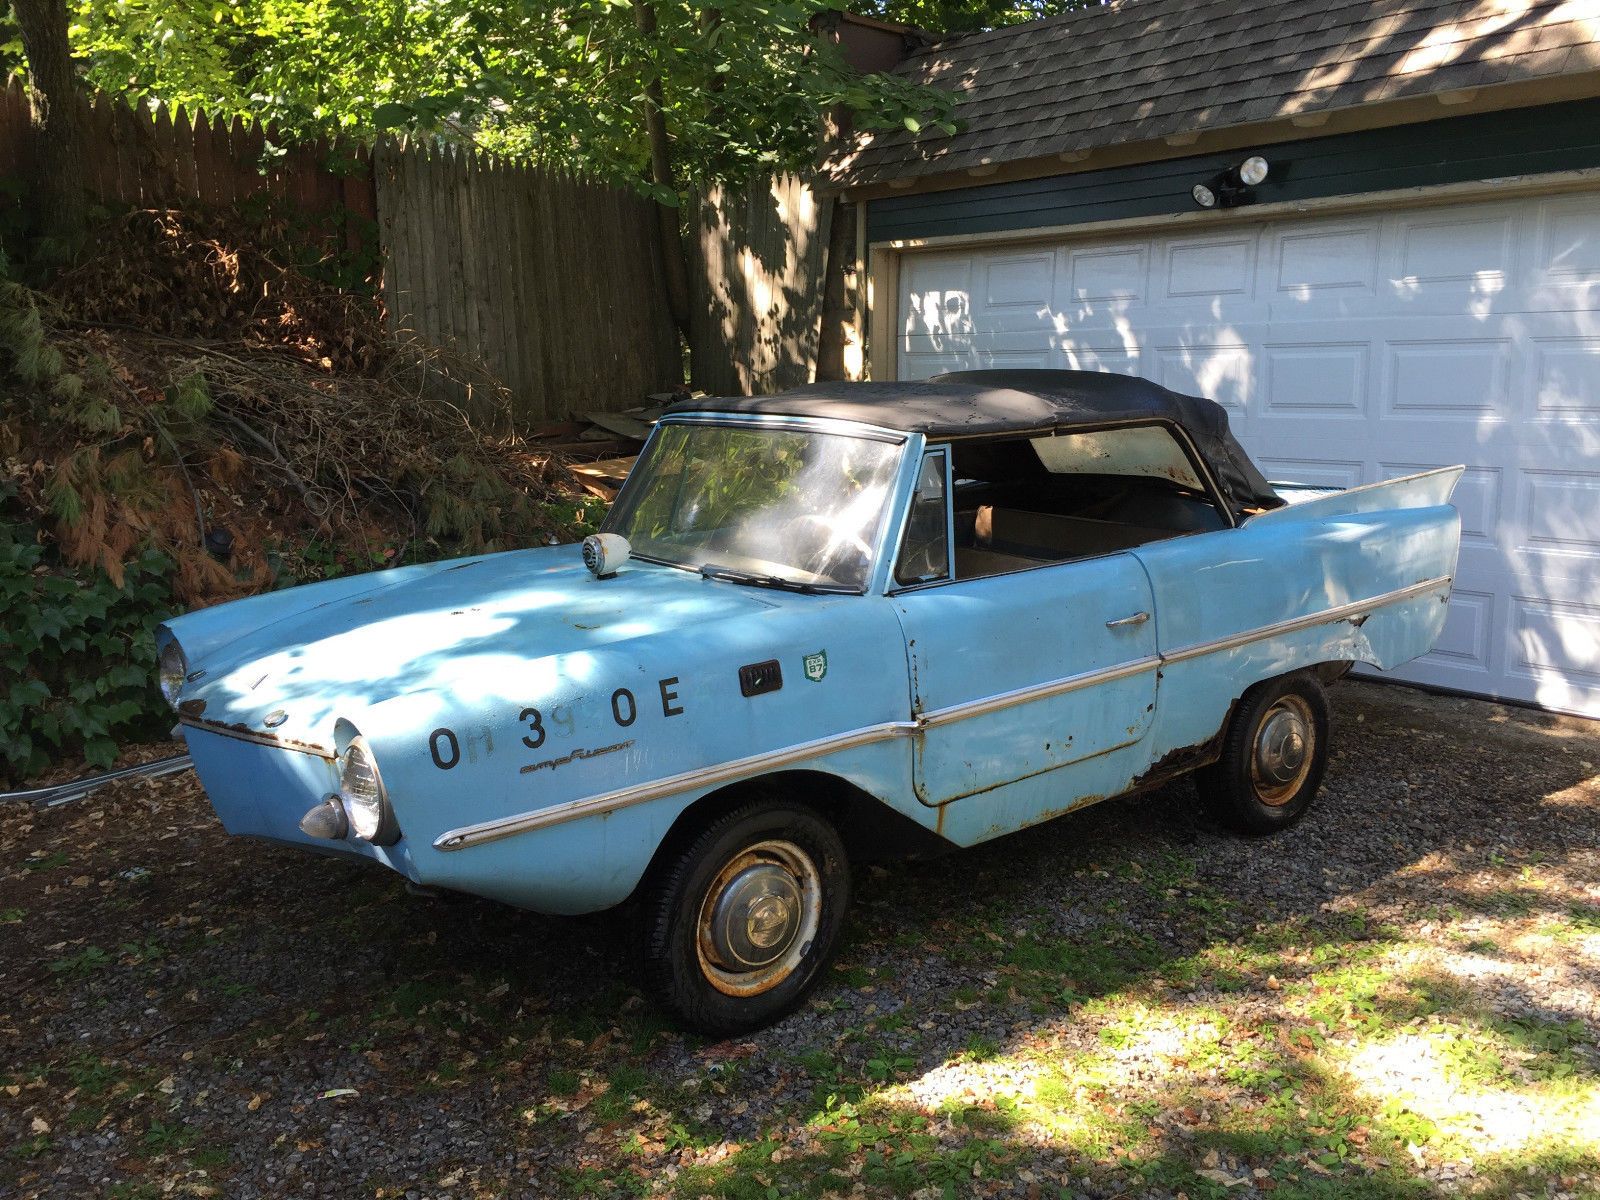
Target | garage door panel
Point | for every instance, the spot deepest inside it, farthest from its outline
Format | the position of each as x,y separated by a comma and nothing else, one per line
1025,281
1336,262
1557,539
1317,472
1466,644
1553,648
1349,349
922,365
1324,379
964,341
1447,378
1209,267
1115,359
1114,274
1226,374
1465,255
1566,377
1568,243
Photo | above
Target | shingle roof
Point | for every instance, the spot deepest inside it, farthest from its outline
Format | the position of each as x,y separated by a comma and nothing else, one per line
1134,70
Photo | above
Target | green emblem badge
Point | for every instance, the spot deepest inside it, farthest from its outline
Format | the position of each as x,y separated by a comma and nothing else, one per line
816,666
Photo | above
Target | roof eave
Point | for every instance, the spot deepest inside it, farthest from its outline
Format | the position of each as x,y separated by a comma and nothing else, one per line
924,175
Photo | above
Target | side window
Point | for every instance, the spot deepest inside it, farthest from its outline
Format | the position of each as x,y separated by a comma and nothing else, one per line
925,549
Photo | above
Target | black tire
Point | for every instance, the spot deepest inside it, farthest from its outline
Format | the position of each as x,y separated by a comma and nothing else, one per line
769,878
1266,780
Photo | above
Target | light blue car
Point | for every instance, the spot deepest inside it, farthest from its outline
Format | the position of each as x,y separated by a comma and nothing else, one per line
848,619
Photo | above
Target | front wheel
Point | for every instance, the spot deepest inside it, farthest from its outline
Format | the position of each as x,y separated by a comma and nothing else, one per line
739,925
1273,757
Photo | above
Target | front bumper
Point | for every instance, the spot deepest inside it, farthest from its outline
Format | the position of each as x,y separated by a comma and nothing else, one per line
262,791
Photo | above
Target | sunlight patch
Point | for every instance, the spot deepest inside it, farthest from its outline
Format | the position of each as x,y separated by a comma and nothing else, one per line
1414,1072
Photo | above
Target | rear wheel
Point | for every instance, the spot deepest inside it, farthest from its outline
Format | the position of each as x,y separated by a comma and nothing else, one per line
1273,757
739,925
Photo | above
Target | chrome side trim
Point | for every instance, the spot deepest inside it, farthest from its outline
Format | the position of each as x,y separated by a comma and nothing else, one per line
1295,624
489,831
642,793
1037,691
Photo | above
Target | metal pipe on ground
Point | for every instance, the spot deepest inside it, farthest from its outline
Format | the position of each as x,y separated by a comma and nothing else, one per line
65,793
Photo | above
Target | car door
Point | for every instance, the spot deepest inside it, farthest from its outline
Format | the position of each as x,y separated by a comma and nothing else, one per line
1015,675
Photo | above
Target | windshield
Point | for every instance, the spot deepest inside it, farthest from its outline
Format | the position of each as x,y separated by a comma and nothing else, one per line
766,505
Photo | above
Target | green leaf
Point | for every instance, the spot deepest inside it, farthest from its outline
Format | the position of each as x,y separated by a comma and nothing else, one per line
392,116
28,692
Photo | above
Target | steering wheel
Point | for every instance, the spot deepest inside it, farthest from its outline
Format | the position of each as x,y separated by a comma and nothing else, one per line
922,559
826,552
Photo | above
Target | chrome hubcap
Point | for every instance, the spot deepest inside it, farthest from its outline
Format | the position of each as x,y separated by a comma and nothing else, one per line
759,918
755,918
1282,756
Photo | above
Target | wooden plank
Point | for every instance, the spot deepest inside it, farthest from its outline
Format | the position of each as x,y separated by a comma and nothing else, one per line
247,142
423,240
484,281
210,165
185,184
126,188
607,470
99,137
358,196
593,451
554,429
158,184
393,272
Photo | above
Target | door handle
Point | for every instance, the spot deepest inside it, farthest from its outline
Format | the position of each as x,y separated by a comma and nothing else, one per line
1138,618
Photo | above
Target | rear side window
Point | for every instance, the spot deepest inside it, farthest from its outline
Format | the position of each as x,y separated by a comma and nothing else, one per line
1024,502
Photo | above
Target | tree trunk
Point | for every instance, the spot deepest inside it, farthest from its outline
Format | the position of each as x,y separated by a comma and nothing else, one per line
57,202
838,316
674,266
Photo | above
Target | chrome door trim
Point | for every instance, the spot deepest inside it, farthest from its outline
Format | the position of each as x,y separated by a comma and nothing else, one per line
1037,691
1295,624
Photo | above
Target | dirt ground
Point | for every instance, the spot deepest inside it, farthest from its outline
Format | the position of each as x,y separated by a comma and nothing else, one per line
1400,997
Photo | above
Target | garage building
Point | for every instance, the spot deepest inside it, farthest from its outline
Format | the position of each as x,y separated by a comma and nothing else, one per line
1414,283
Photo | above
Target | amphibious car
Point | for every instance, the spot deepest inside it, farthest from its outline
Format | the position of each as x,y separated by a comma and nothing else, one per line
847,617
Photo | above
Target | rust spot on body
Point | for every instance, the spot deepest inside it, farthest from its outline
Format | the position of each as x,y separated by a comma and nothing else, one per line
238,729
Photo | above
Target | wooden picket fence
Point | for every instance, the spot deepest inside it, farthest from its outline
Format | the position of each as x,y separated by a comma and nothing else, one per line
161,159
552,282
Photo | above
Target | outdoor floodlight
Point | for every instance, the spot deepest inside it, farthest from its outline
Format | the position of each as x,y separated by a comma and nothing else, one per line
1232,187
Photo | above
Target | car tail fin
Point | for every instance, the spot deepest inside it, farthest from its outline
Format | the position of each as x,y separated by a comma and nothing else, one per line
1425,489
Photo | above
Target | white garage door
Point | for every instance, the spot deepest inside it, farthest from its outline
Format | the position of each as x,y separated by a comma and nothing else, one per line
1349,350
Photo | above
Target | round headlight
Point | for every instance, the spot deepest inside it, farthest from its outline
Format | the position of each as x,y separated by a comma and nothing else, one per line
172,667
361,789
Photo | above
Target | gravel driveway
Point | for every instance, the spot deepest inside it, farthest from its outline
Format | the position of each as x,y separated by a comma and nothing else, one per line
1399,997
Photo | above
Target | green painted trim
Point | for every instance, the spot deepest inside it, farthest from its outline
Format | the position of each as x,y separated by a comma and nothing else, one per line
1523,141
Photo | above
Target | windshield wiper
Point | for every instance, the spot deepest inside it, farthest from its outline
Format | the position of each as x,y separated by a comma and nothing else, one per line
712,571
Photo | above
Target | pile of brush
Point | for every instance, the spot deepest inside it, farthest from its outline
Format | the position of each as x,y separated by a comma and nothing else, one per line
195,386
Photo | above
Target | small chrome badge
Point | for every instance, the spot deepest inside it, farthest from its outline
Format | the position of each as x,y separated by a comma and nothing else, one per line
275,718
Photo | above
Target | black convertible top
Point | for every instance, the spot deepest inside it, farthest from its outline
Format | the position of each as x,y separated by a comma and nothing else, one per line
970,403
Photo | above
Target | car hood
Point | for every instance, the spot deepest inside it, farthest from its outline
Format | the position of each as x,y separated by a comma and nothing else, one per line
447,629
